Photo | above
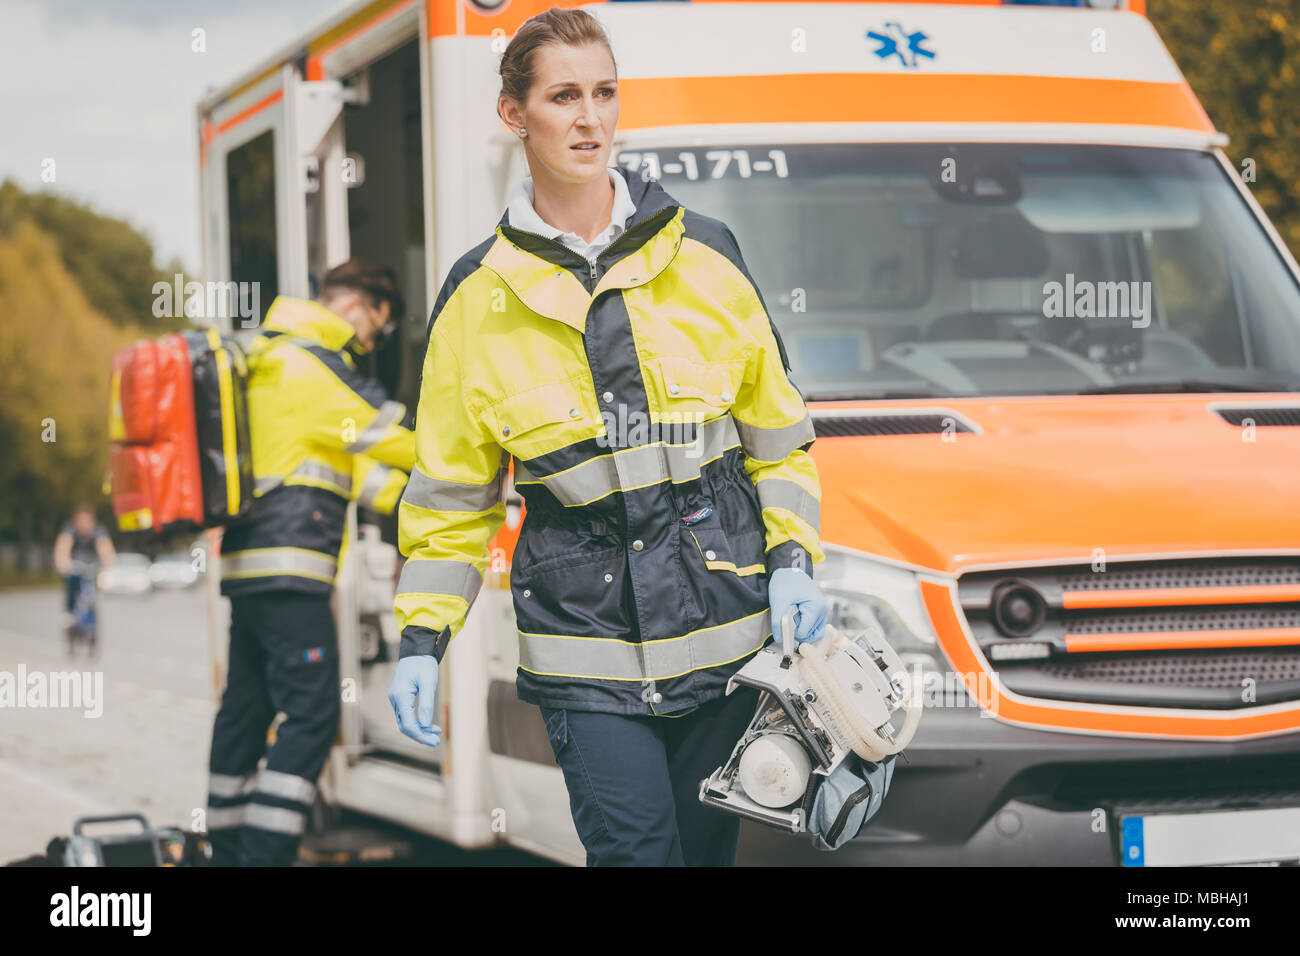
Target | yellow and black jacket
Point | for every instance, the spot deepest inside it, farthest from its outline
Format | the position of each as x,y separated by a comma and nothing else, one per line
658,443
322,434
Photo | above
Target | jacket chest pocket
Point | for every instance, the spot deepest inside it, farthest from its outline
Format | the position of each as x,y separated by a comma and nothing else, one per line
686,390
740,554
544,419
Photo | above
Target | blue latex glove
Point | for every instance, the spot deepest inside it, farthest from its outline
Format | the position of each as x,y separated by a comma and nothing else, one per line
791,587
416,677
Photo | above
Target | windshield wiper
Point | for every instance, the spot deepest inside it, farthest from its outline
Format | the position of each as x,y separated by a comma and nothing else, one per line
1185,385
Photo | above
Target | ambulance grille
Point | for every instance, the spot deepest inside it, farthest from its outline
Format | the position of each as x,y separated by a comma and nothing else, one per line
1201,679
1211,633
839,425
1262,417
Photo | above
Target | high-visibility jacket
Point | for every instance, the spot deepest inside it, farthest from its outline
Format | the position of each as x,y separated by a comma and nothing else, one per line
657,441
322,434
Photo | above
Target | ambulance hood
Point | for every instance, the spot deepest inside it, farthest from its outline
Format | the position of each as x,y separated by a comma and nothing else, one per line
1058,477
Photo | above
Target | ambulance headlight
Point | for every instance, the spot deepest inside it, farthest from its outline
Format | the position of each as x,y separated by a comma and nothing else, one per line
859,587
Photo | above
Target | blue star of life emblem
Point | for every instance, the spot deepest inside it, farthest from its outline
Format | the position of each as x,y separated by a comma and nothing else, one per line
905,45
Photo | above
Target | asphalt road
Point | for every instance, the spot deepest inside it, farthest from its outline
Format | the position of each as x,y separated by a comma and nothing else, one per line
145,752
147,749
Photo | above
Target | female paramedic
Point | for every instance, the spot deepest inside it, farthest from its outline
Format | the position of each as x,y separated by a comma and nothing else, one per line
612,343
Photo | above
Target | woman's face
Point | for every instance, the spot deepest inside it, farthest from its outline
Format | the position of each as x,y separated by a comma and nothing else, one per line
573,101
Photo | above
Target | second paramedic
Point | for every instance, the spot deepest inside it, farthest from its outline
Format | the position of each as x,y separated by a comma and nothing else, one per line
322,433
612,343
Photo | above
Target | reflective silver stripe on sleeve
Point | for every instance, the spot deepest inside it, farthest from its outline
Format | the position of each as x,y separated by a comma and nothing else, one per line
389,414
286,785
322,472
425,576
638,467
225,785
311,470
612,659
437,494
373,484
225,818
774,444
260,562
278,819
792,496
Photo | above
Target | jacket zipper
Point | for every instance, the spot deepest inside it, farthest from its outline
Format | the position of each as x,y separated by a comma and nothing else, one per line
851,802
647,682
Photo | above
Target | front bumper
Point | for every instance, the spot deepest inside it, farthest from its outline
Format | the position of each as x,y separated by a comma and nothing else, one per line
975,791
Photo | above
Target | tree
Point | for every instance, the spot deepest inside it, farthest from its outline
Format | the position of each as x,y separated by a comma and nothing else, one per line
56,350
75,286
1243,61
109,259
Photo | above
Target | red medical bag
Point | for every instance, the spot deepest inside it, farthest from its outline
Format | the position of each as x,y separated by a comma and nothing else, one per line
178,425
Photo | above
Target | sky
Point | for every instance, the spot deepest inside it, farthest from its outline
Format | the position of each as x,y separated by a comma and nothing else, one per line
108,90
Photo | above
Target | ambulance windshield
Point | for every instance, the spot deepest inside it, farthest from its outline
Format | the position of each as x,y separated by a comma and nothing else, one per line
900,270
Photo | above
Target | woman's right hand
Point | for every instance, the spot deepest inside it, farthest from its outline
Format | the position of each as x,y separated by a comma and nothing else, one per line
416,677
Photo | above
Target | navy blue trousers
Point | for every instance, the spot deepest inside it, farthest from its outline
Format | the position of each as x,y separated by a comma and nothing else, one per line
634,781
283,659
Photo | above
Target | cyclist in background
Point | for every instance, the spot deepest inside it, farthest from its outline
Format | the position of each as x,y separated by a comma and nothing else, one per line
80,550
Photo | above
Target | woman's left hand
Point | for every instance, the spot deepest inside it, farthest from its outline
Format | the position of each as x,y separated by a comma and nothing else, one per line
791,587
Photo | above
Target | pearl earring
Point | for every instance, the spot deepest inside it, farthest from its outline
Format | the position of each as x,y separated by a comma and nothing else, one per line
521,131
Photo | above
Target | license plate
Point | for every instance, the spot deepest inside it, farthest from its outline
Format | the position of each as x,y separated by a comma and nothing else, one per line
1212,837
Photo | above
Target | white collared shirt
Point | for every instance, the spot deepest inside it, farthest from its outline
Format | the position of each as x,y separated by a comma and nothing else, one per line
522,215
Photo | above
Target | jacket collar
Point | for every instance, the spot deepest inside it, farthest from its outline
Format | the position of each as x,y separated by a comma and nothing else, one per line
527,262
647,195
521,213
308,320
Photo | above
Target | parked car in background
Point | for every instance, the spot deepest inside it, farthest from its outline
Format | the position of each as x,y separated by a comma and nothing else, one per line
129,574
173,571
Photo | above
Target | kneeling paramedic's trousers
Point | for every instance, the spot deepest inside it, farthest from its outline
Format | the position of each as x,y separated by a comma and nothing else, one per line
634,781
283,658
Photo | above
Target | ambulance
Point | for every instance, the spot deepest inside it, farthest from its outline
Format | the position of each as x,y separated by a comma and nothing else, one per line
1049,340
